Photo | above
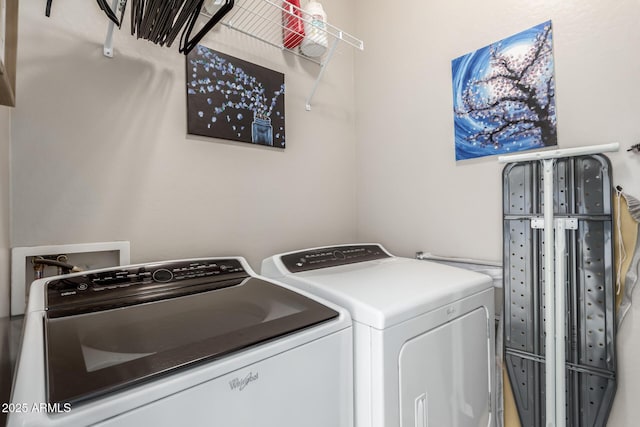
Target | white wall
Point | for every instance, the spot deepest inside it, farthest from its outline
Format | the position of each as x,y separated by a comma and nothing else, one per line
5,138
412,195
100,150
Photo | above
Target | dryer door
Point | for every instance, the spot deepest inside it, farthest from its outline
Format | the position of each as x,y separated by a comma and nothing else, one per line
445,375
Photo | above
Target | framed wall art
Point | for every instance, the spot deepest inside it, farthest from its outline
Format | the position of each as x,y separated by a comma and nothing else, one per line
504,96
229,98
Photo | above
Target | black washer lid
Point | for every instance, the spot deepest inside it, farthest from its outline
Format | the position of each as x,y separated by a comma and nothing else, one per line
91,354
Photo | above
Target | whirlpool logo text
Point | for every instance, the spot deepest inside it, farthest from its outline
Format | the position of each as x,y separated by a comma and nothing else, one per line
240,383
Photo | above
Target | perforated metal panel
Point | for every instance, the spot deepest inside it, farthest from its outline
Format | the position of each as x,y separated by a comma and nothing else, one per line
582,190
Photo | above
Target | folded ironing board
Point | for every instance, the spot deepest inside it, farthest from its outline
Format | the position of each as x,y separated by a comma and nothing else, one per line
582,191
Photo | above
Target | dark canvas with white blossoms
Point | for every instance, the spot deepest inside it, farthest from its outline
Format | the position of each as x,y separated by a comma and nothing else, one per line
232,99
504,96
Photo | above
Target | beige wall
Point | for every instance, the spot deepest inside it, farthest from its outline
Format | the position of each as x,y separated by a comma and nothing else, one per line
5,138
100,150
412,194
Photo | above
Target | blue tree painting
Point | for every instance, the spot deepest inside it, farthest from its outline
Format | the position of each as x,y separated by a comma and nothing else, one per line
229,98
504,96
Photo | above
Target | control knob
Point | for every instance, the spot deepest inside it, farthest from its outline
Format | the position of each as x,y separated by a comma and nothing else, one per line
162,275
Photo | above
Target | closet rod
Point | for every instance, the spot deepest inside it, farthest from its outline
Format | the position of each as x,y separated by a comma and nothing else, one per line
564,152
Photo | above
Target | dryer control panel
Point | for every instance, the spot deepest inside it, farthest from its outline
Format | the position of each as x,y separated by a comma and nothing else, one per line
332,256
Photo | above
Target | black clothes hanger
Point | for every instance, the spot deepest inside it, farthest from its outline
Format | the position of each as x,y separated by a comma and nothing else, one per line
160,21
186,44
108,11
124,7
103,5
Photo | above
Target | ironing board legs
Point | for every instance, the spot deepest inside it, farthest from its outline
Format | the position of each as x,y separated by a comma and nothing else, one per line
549,304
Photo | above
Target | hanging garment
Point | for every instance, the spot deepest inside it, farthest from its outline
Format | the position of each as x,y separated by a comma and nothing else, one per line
627,250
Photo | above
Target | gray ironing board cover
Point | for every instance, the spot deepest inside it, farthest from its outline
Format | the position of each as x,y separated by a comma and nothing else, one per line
583,191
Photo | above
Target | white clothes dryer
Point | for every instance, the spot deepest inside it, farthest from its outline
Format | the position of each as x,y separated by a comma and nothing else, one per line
201,342
423,333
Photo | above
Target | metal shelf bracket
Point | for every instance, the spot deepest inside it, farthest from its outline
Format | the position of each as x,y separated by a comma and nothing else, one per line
107,49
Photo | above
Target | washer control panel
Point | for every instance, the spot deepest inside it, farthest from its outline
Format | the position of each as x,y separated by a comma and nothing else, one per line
332,257
140,281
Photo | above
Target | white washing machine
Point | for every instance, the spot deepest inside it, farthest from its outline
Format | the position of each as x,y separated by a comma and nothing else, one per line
423,333
201,342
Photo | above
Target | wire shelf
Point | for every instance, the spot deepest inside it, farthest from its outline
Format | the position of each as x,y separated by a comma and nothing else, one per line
264,20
